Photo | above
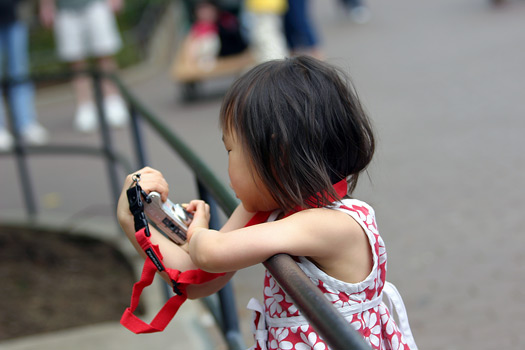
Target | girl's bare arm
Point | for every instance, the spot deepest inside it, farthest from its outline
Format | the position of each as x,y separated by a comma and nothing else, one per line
331,238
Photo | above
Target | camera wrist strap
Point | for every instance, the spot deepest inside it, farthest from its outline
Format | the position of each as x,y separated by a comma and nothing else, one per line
152,264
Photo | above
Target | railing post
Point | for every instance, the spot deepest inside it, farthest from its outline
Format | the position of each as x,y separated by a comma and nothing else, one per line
19,149
137,137
106,136
229,319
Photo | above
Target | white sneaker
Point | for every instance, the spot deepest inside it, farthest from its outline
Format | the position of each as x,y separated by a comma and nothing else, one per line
6,140
35,135
360,14
86,118
116,111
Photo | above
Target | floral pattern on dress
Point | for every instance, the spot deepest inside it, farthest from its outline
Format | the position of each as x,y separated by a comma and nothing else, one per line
376,324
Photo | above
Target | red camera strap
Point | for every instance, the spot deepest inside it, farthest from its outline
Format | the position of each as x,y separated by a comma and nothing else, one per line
154,263
180,281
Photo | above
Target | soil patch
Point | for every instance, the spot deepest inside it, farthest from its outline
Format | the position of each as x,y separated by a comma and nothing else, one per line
52,281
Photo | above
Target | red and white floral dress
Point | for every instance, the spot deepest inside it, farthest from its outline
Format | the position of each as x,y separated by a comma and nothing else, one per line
279,325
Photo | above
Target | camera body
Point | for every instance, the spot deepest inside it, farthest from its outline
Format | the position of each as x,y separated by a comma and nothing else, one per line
172,219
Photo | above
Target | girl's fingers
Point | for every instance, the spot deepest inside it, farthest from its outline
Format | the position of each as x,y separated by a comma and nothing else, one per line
201,212
197,205
201,216
150,180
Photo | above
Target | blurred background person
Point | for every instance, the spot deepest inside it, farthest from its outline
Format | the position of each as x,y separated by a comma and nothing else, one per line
230,33
87,29
14,57
214,33
357,10
203,41
266,32
301,34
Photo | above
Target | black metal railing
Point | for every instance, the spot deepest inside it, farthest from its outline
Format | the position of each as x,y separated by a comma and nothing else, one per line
324,318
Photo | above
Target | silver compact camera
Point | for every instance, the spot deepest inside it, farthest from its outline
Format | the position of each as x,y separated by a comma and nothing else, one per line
172,219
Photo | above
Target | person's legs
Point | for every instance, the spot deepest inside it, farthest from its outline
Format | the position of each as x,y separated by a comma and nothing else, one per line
22,94
292,22
300,32
115,107
91,33
107,64
6,139
82,83
85,116
104,41
71,47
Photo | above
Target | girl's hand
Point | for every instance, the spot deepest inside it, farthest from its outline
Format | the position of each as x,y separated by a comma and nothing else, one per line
201,217
150,180
175,256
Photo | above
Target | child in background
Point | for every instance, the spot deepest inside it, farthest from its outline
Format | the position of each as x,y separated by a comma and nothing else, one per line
203,42
214,34
297,139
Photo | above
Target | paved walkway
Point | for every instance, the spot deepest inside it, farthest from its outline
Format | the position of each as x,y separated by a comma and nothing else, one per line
444,84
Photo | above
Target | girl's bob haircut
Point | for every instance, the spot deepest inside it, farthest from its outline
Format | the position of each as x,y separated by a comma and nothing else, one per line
303,128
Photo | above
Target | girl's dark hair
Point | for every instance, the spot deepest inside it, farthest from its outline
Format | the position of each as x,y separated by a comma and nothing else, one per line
303,126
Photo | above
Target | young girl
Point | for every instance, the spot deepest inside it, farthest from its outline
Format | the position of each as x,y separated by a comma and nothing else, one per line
297,139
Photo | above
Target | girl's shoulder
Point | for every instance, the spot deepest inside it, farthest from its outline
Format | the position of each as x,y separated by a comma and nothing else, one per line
353,204
342,235
361,211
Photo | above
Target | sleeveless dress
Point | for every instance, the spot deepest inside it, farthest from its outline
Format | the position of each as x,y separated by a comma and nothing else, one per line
279,325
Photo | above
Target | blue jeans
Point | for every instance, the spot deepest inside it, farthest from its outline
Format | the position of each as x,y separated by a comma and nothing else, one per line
14,48
298,27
